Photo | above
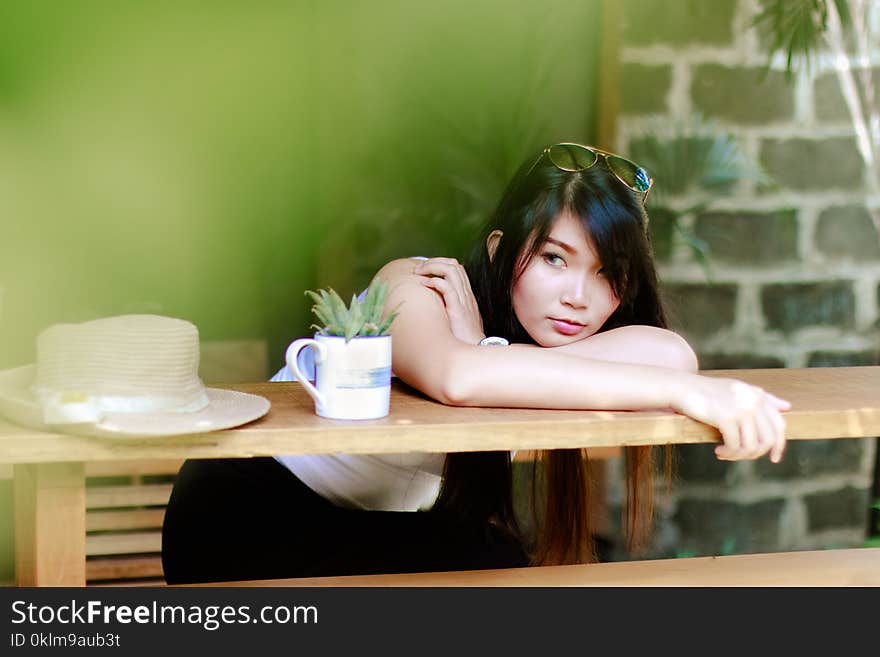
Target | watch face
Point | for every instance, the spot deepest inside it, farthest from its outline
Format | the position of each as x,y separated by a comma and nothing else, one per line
494,340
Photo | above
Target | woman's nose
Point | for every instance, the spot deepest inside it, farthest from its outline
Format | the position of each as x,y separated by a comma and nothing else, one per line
576,292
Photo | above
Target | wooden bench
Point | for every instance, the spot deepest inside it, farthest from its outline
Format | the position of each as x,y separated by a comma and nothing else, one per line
50,493
125,507
124,518
842,567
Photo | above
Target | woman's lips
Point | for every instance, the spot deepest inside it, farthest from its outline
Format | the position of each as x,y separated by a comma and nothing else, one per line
566,328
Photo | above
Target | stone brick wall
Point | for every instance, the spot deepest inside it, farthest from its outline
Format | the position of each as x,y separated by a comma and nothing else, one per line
795,268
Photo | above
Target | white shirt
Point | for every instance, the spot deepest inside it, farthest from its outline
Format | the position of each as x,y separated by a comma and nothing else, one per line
381,482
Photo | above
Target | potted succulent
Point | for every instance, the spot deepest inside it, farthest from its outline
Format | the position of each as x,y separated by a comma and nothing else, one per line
362,318
352,354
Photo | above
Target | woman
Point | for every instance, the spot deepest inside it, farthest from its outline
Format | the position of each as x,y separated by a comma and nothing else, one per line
563,273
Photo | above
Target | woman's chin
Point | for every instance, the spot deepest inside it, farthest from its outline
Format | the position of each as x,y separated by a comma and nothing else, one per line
558,340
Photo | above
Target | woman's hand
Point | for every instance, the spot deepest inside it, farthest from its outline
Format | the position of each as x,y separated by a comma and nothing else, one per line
449,279
747,416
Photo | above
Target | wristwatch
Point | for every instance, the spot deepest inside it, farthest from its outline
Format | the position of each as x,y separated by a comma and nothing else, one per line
494,340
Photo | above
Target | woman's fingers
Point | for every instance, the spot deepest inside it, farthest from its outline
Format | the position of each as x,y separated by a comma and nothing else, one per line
749,419
730,435
778,448
440,267
451,296
773,424
451,271
439,284
448,278
754,426
749,448
767,433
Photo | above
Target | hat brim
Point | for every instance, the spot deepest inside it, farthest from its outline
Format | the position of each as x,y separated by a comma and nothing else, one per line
226,409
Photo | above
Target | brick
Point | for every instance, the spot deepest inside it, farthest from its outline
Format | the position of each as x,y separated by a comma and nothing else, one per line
809,458
679,23
644,88
698,463
749,238
847,507
813,164
790,306
847,231
699,310
829,102
718,527
742,95
844,358
739,361
661,224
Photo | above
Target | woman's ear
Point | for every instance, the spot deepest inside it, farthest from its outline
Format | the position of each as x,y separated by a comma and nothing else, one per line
492,242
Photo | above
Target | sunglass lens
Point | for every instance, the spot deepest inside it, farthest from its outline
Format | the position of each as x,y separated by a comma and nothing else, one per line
630,173
572,157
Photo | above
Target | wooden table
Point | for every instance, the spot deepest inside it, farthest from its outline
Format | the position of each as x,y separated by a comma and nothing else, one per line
842,402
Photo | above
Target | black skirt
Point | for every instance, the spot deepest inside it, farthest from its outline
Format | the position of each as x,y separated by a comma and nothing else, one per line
252,518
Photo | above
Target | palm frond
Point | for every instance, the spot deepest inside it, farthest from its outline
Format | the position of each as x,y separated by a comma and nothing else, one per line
695,162
696,156
797,27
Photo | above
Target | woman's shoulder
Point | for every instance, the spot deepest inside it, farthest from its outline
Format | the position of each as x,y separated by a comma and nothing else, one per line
398,269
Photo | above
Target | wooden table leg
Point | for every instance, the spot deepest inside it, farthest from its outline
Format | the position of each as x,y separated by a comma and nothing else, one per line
50,524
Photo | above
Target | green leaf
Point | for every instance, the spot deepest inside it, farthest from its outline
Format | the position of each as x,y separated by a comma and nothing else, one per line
338,310
355,320
385,324
797,27
320,309
369,305
699,248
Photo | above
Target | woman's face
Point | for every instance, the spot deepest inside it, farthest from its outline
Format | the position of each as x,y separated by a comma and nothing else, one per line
562,295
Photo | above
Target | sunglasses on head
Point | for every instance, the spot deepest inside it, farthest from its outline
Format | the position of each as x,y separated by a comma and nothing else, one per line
577,157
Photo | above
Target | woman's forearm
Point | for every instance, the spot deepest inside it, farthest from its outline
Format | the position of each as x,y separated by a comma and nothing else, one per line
527,377
646,382
641,345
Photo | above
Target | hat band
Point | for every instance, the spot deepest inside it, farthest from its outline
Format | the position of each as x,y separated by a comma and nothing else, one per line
72,407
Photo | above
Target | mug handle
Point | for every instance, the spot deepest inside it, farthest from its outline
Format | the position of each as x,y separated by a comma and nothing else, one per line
291,356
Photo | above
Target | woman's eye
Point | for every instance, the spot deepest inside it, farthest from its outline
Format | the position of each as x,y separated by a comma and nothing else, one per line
600,271
553,259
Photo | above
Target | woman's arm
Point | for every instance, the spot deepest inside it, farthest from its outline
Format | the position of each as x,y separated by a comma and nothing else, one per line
644,345
429,357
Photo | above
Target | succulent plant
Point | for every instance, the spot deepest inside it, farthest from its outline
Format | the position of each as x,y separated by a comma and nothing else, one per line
359,319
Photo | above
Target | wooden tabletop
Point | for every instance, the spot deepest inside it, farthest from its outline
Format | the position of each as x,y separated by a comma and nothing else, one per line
838,402
842,567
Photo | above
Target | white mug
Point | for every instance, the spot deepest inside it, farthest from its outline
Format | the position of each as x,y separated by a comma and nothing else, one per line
352,379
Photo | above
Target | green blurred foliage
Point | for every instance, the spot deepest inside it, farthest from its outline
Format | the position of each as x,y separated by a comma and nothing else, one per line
213,160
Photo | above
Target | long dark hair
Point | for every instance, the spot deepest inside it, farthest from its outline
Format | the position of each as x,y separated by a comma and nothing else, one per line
479,485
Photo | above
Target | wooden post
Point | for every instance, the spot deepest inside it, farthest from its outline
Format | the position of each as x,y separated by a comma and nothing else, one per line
50,524
608,104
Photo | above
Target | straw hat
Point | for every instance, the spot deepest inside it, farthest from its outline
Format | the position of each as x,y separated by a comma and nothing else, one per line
124,376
